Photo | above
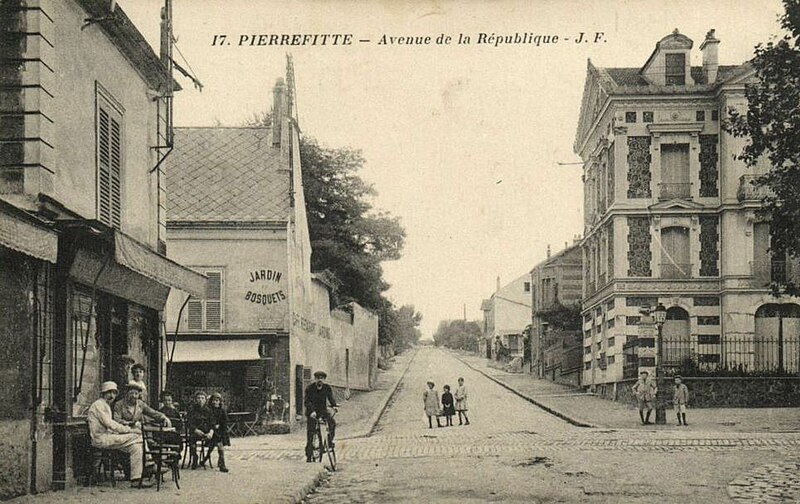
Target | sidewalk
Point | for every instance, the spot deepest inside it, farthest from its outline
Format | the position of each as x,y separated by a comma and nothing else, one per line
356,417
265,482
251,480
585,409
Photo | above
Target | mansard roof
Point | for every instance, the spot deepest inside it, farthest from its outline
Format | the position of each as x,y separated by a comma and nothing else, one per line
226,174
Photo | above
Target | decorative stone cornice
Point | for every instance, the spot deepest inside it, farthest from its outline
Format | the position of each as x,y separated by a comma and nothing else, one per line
693,128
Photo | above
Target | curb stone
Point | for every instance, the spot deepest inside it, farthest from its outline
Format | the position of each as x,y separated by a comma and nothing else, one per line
373,421
569,419
301,494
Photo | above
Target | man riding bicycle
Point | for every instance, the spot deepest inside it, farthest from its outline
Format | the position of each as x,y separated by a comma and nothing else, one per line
317,397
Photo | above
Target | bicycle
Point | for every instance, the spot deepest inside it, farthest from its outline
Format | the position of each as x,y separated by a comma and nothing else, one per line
322,442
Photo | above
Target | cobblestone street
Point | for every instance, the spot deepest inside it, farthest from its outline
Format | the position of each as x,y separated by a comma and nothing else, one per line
515,452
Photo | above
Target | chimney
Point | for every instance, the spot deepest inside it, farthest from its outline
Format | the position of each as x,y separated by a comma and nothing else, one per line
576,240
710,48
278,112
498,283
548,251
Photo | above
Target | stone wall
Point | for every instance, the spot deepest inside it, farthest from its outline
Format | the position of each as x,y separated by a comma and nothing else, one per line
720,392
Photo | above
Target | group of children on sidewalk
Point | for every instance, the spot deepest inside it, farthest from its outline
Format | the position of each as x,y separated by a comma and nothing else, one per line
450,405
645,390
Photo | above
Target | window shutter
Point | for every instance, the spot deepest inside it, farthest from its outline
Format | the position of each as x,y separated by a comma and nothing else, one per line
115,168
195,315
213,301
104,168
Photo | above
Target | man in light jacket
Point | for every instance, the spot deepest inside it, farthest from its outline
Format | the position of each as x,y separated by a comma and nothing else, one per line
107,433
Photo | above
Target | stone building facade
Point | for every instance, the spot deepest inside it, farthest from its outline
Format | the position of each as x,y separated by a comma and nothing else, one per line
505,316
237,214
556,290
83,278
670,217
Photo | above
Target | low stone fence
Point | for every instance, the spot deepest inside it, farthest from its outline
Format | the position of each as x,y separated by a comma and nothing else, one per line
727,392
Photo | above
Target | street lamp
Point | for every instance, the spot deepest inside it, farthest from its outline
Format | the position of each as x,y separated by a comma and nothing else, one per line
660,316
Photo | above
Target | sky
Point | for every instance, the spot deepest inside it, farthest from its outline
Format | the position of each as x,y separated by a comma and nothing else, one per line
463,141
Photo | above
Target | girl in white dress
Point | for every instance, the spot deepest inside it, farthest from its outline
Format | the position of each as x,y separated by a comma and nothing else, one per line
461,402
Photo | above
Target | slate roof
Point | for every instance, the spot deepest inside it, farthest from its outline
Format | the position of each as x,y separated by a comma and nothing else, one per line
633,77
226,175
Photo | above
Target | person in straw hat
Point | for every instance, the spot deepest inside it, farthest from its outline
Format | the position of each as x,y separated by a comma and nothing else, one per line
133,411
107,433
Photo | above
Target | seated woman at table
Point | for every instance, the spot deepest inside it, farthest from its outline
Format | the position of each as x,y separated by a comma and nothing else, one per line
132,411
221,439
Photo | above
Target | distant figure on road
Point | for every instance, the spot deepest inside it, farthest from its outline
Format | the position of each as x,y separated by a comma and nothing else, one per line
431,400
645,391
448,410
461,401
680,398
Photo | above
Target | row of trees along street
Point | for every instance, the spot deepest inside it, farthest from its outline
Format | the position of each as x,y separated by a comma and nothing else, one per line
457,334
350,239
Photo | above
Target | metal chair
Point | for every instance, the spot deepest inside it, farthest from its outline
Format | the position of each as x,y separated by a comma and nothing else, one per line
162,447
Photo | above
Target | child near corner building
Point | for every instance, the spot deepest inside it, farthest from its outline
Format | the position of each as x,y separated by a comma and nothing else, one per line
680,399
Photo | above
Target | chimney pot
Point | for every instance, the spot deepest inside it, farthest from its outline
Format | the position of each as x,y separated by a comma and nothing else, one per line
710,50
278,111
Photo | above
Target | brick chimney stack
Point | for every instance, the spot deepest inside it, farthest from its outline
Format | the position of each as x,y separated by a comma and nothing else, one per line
710,48
278,111
548,251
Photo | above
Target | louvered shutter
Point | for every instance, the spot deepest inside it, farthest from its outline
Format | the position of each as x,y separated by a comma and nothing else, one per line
214,301
104,168
115,166
195,315
109,162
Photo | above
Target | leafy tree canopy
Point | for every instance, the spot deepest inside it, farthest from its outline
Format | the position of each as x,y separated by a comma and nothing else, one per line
349,238
457,334
772,126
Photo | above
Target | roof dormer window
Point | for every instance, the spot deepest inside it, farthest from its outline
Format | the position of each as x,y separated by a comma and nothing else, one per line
675,69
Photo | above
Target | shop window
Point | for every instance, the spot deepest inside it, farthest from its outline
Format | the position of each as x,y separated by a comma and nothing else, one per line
207,314
109,159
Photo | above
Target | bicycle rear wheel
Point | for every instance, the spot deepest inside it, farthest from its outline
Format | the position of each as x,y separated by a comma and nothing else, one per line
332,457
322,445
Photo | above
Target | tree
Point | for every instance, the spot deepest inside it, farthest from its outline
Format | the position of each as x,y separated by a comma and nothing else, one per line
348,237
457,334
406,332
772,126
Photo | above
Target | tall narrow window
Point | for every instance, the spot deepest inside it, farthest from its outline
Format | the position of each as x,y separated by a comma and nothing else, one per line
109,159
675,69
206,314
675,172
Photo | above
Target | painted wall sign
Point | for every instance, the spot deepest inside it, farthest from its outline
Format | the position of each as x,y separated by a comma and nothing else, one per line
310,327
265,277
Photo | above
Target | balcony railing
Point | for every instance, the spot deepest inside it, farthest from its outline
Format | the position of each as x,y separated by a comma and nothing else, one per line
742,355
676,270
748,191
674,190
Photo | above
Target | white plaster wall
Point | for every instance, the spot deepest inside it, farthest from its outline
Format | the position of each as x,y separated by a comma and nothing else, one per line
83,58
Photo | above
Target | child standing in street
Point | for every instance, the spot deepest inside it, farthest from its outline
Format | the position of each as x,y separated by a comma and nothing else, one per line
680,399
430,399
645,391
461,401
448,408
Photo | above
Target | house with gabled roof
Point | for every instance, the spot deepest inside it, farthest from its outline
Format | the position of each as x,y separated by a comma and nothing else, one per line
670,218
236,213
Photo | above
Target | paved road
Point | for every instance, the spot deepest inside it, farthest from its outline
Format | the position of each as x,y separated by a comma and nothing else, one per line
515,452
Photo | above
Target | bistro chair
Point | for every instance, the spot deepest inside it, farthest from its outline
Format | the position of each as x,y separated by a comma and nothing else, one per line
105,463
162,447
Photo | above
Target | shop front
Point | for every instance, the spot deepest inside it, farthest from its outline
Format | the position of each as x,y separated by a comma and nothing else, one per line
248,370
110,292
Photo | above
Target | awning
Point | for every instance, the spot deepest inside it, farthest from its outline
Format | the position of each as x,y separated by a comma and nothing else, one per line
27,234
217,350
133,255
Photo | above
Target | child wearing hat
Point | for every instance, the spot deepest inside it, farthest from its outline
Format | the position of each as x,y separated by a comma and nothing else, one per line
430,400
680,399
